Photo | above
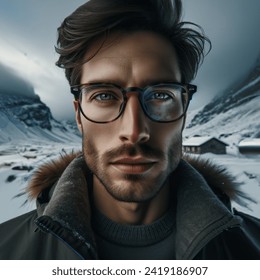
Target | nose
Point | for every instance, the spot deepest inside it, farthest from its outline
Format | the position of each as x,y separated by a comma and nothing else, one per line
134,124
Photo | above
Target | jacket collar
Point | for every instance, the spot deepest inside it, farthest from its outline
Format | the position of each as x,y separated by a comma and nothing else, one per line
200,215
65,209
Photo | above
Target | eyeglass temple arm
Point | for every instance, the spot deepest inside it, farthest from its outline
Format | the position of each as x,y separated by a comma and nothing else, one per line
191,89
75,90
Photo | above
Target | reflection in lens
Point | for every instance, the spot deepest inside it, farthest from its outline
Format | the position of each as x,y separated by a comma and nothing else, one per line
164,103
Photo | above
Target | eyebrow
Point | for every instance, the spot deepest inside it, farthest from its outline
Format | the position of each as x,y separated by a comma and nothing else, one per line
105,81
143,82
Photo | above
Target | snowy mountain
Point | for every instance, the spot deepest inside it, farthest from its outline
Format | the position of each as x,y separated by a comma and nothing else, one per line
233,115
24,117
27,118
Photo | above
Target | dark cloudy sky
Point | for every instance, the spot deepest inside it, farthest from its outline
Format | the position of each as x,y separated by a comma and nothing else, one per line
28,35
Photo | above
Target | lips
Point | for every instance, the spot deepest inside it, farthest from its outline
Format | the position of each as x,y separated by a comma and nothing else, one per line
133,165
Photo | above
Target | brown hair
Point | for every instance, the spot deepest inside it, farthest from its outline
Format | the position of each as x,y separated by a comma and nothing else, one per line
97,18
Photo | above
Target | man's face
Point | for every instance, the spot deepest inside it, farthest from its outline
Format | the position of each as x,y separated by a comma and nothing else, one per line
132,156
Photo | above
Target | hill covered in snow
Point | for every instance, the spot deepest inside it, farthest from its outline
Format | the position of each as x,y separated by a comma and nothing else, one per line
24,117
233,115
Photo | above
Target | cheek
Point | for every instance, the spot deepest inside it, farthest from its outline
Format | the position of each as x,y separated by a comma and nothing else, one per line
167,135
99,135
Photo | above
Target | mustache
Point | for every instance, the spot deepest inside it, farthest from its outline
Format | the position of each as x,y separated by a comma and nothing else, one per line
142,150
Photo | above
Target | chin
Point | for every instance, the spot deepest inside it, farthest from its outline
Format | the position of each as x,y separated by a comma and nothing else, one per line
134,192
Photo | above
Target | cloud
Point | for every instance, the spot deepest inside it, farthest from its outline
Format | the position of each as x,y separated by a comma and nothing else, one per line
40,73
232,27
11,83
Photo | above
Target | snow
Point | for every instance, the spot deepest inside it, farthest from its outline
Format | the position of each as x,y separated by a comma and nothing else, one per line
27,156
251,142
17,162
250,84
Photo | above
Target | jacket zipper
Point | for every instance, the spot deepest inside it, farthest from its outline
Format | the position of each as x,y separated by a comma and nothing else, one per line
47,230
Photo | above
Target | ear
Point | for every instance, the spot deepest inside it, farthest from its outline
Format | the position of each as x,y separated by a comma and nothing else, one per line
77,115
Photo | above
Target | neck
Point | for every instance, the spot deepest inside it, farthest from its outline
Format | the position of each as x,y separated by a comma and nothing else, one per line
134,213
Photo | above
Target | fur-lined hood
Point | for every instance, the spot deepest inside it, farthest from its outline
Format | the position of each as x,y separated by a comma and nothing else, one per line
220,180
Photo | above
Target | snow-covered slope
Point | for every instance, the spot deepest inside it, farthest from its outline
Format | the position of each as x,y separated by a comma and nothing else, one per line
25,118
232,116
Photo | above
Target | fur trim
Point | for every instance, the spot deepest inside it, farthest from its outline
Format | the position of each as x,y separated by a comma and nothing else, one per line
216,176
48,174
219,179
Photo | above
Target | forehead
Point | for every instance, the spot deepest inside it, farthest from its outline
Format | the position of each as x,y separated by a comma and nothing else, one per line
132,59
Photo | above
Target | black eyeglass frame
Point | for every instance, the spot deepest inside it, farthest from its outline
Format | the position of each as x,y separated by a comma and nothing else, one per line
189,88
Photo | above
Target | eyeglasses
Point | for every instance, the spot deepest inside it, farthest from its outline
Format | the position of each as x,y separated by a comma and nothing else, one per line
104,102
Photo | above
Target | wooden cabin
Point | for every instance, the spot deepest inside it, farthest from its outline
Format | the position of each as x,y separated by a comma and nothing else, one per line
202,145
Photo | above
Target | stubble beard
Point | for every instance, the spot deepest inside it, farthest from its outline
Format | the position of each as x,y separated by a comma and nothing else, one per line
122,192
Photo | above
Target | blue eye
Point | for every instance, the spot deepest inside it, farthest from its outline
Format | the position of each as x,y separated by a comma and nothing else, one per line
160,96
104,97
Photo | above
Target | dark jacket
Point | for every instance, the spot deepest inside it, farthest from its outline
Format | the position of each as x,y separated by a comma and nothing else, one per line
60,228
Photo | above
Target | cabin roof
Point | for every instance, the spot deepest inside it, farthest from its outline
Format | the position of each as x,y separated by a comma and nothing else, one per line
254,142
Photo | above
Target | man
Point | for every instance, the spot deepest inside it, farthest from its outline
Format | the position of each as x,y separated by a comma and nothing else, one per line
130,194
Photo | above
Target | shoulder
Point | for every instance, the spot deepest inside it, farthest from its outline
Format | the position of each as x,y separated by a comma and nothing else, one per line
236,243
15,233
20,239
26,218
